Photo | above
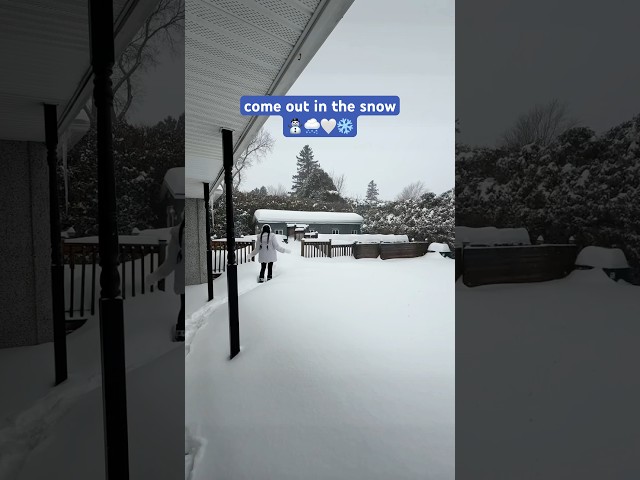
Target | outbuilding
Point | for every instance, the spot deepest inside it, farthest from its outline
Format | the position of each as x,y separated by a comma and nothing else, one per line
289,222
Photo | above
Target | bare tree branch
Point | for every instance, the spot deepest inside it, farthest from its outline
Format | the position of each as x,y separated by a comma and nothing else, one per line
338,181
413,190
540,125
279,191
256,150
157,33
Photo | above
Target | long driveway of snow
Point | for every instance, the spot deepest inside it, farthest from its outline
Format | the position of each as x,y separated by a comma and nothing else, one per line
346,372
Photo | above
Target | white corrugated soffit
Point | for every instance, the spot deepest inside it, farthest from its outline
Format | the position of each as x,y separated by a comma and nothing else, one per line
242,47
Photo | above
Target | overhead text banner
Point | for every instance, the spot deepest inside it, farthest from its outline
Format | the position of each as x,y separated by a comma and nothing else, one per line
322,116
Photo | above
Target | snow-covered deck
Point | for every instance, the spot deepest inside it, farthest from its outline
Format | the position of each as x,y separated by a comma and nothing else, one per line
48,432
346,371
539,361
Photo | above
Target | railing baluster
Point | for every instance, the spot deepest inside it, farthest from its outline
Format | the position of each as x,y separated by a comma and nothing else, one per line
151,257
93,280
133,271
72,266
142,252
122,267
82,283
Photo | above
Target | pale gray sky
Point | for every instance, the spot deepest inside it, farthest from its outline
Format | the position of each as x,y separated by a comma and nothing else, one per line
513,55
405,49
160,89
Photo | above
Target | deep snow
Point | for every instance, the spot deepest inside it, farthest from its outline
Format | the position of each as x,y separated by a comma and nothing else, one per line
346,371
56,432
542,371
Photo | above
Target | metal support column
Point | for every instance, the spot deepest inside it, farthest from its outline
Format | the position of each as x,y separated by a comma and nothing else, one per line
57,264
207,210
232,267
114,393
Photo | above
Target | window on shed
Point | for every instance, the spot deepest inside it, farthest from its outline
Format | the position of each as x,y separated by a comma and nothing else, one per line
335,231
354,232
278,232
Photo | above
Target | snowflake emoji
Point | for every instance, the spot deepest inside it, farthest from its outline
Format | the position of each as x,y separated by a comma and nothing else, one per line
345,126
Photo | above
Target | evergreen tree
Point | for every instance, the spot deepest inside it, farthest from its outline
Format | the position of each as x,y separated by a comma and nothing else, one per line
306,165
319,186
372,192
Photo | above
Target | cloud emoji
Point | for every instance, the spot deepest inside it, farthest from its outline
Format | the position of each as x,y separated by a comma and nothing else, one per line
312,124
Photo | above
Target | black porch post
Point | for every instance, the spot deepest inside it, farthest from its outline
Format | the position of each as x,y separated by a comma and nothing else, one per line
114,392
232,268
57,265
207,210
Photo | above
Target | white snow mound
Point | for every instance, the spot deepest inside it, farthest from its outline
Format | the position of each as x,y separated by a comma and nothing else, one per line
439,247
602,257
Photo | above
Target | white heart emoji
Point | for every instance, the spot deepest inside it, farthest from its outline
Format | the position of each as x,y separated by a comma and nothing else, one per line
328,125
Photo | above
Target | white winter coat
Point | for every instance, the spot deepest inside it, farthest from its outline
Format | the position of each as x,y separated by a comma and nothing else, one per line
266,246
171,263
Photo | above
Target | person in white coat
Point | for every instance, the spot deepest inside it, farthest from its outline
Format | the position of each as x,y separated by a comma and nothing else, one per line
174,262
266,247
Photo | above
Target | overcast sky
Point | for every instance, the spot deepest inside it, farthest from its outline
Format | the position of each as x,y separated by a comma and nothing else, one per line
378,50
512,55
160,89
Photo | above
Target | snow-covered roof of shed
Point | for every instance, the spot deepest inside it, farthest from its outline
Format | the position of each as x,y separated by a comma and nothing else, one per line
602,257
290,216
492,236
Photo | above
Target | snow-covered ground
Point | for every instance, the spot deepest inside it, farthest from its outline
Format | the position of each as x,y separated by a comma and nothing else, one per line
346,372
543,371
56,432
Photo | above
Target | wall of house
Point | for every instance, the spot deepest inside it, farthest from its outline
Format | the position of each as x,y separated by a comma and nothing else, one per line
194,242
25,263
344,228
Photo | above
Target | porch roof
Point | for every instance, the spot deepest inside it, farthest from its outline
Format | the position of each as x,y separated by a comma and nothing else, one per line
46,59
242,47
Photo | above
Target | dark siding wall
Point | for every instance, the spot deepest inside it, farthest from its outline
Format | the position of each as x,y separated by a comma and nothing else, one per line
343,228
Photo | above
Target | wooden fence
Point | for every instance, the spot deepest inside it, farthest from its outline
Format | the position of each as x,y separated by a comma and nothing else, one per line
85,256
312,249
219,254
514,264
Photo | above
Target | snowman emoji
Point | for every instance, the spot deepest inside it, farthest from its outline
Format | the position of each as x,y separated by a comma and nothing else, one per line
295,126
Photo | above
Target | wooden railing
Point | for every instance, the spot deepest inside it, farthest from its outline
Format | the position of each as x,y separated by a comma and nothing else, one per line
219,254
314,249
86,256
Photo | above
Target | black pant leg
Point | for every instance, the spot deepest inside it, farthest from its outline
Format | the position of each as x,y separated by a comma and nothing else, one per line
262,267
180,324
270,274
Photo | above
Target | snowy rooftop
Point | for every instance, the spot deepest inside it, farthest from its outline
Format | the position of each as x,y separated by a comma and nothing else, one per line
290,216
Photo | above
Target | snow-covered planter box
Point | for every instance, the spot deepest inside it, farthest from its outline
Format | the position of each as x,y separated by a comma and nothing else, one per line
491,236
366,250
402,250
516,264
611,260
